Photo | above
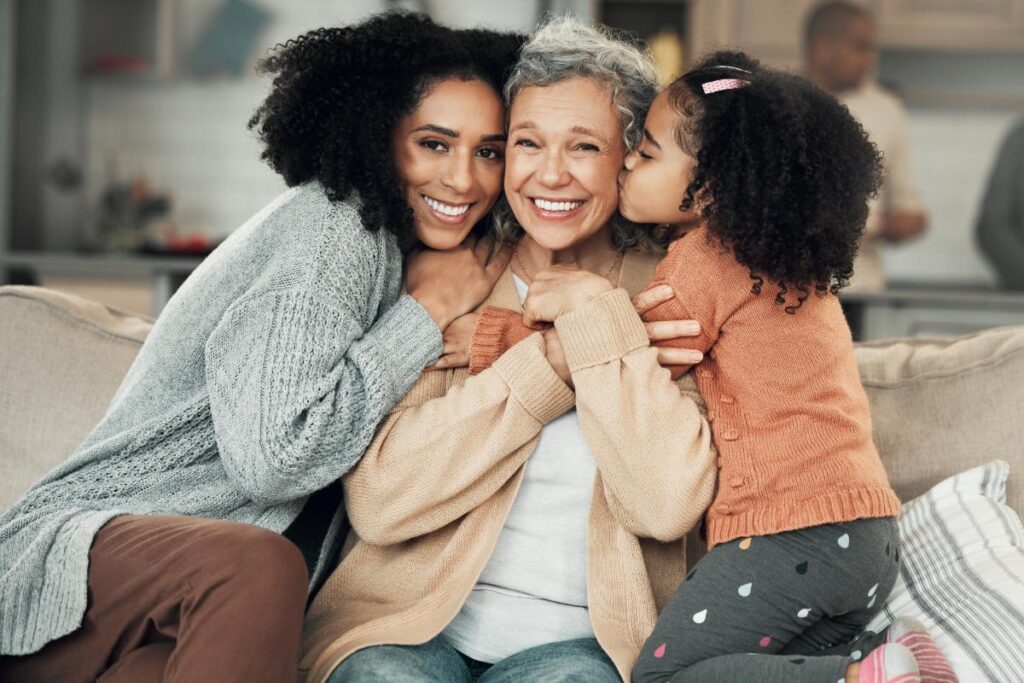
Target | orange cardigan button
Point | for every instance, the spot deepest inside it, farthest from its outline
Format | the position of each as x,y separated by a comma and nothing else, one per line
730,435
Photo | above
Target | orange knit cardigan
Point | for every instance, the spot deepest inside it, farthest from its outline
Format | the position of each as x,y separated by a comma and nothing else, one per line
788,413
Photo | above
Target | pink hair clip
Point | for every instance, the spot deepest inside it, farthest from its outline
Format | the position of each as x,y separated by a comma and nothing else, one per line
724,84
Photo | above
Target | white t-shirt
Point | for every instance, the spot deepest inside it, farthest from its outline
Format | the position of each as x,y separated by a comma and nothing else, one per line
885,121
533,590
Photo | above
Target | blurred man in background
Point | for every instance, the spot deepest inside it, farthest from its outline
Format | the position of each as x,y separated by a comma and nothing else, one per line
840,49
1000,229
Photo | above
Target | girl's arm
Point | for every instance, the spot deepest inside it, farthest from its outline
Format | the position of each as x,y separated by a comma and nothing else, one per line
649,436
445,450
498,329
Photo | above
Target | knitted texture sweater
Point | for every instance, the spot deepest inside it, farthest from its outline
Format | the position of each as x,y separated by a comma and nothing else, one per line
788,413
430,497
261,382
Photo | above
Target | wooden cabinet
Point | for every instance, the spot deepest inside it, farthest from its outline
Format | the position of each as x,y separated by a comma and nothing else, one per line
772,30
985,25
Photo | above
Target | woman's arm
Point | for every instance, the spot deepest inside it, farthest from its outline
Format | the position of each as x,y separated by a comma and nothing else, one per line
297,387
440,455
649,436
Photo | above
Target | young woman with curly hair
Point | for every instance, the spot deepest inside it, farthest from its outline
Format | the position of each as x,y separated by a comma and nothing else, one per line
160,550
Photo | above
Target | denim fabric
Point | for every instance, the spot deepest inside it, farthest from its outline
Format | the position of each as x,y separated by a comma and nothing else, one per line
568,661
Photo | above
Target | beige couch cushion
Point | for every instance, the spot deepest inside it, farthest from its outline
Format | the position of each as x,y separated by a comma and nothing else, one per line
940,406
61,360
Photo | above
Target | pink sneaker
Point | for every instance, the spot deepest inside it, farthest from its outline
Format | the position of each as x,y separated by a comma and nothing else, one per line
912,634
890,663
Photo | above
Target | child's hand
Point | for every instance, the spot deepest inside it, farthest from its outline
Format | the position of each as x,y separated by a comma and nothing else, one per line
558,290
666,330
457,338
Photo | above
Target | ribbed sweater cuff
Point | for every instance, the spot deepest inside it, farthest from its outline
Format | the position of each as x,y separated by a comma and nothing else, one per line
408,341
533,381
604,329
496,331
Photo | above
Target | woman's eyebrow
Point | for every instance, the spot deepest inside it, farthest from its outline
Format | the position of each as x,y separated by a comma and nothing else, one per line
583,130
523,124
493,137
440,130
650,139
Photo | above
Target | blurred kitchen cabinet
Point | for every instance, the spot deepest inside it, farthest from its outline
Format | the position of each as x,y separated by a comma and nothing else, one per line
987,25
930,311
770,30
133,37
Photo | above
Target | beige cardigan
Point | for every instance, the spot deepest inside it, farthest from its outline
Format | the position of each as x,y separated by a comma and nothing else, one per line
429,498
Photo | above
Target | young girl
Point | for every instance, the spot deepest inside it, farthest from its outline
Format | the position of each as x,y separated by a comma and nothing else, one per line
771,176
802,533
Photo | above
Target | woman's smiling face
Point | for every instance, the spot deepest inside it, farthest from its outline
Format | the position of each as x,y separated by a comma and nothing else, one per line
449,154
565,151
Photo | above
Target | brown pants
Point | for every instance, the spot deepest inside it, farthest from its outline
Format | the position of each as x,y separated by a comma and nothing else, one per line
180,599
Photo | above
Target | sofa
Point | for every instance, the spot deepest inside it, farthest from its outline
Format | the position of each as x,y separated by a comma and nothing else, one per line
939,406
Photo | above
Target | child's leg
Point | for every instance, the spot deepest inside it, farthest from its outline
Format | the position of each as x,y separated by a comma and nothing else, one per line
748,599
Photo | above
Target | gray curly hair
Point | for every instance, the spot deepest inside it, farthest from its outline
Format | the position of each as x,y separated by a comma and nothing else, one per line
564,48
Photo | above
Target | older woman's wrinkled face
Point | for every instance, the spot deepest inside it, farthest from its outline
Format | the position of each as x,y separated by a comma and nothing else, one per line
565,151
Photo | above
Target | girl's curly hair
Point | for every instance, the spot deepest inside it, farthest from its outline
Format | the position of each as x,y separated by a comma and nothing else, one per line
783,175
338,94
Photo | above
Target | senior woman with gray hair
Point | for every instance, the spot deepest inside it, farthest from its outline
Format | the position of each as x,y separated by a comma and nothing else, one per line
527,523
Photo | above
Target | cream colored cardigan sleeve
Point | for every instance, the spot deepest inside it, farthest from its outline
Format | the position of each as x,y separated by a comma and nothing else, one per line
446,448
648,434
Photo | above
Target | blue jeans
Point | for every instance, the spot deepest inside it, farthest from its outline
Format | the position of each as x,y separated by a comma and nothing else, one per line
436,661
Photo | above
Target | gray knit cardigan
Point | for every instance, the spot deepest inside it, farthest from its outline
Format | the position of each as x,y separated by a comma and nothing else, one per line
261,382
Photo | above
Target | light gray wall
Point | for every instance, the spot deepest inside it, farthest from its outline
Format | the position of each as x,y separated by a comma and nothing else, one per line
188,136
960,106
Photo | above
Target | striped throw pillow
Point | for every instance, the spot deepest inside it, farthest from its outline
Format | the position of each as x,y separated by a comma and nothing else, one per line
962,574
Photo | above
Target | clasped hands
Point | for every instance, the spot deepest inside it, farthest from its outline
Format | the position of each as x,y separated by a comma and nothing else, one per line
559,290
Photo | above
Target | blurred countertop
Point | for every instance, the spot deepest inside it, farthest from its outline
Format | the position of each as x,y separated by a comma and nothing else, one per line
102,264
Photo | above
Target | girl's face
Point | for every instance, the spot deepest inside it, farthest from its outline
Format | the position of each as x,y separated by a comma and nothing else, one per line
657,172
449,154
565,153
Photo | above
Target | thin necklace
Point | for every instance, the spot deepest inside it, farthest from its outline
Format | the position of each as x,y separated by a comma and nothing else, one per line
529,276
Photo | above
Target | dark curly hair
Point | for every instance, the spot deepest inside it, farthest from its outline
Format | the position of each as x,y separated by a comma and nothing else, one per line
783,173
338,94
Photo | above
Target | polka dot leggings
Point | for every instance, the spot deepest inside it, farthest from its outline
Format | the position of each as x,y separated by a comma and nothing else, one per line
786,607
